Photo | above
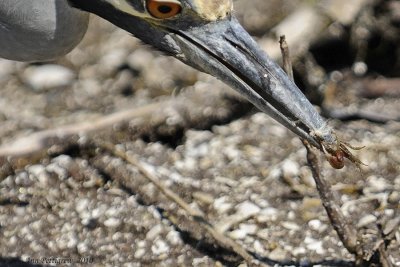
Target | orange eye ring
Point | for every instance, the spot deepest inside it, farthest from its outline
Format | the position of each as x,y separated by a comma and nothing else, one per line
163,9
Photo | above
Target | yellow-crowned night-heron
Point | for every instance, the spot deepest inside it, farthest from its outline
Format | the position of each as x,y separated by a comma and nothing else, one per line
202,33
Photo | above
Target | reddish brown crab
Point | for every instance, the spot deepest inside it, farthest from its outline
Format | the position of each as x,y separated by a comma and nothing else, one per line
335,149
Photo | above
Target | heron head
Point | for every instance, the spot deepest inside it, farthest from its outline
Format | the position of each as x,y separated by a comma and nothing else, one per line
206,35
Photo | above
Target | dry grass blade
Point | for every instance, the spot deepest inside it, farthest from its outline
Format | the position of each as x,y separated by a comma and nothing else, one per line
195,214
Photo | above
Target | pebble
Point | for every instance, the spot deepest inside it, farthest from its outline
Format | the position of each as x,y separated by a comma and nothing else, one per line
112,212
199,262
117,236
243,231
367,219
250,229
291,226
268,215
299,251
82,205
221,205
37,225
141,244
290,168
140,253
311,203
263,203
82,248
291,215
278,254
376,184
314,245
258,247
317,225
244,211
232,152
48,76
13,241
226,181
22,179
97,212
389,212
237,234
264,234
159,247
40,173
174,238
61,172
248,208
112,222
394,197
391,226
154,232
72,241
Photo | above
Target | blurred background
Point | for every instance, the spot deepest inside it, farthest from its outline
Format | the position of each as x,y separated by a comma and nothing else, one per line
217,152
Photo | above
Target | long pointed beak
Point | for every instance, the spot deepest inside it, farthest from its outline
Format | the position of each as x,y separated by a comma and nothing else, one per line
225,50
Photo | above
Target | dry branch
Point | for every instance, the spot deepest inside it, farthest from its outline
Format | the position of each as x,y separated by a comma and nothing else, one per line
185,111
346,231
346,114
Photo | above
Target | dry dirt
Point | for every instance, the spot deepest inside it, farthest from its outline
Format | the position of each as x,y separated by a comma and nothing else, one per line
246,172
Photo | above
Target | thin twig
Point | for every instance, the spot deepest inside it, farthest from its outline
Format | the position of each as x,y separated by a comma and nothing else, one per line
187,111
349,114
198,216
148,175
346,232
287,63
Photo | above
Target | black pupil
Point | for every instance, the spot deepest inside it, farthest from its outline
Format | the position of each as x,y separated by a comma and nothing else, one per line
164,9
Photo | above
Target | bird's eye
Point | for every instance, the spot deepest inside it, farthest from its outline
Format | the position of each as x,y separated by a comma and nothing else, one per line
161,9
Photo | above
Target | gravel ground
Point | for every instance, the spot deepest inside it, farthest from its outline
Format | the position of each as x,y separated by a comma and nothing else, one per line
249,175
